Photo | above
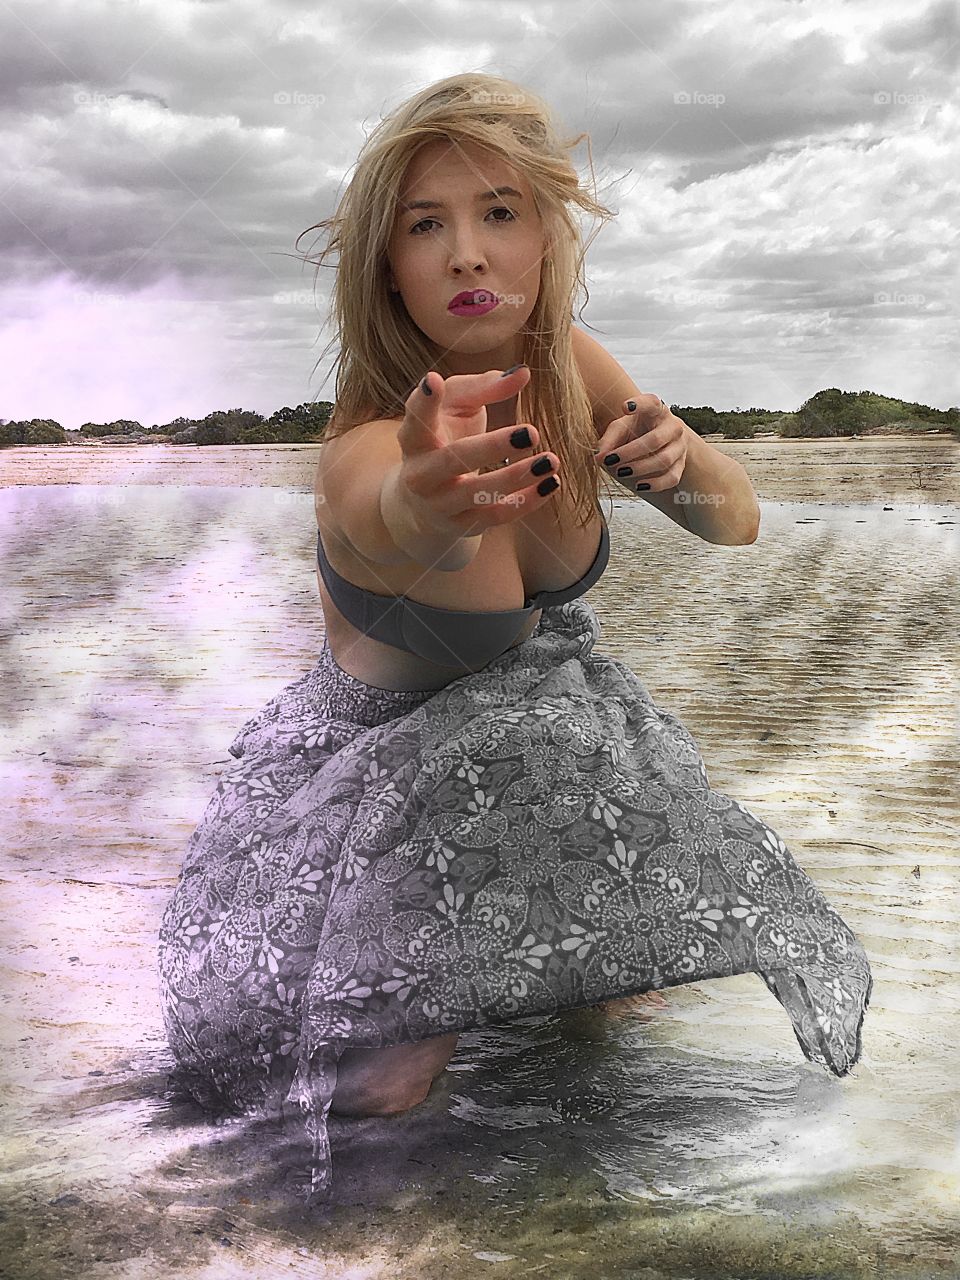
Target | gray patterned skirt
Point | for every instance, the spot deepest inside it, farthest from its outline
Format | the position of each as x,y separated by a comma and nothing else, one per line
380,867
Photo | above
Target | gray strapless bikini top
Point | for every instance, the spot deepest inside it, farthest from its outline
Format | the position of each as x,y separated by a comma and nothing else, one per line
451,637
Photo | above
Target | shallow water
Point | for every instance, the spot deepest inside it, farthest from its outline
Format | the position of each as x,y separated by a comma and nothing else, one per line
817,670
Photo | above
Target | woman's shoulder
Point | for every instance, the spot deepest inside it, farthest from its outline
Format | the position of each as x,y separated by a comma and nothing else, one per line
338,424
606,381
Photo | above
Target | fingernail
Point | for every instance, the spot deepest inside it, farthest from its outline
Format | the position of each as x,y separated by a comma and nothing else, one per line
631,406
425,389
513,370
642,486
520,439
624,471
610,459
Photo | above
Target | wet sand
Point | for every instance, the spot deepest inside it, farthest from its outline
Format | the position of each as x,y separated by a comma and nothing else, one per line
817,670
923,469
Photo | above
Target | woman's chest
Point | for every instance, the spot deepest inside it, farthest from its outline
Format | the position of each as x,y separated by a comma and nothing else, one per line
514,563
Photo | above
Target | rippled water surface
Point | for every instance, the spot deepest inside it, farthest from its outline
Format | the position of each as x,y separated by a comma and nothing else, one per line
817,670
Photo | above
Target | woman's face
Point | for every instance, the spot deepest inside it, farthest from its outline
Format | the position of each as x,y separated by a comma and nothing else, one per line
495,244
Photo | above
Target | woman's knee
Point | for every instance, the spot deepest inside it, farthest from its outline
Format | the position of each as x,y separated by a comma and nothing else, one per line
389,1081
375,1100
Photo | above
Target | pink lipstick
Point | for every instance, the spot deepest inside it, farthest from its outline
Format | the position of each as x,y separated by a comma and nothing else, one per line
473,302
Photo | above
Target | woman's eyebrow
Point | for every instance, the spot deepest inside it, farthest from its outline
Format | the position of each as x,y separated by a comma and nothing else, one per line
493,194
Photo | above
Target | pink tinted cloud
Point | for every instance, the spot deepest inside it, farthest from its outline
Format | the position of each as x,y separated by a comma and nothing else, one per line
82,352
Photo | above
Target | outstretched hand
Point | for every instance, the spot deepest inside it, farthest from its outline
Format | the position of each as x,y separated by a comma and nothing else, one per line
648,439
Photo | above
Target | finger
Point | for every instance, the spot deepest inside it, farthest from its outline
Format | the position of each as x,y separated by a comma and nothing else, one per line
646,407
458,465
516,492
420,430
466,393
490,450
619,446
439,407
652,475
618,435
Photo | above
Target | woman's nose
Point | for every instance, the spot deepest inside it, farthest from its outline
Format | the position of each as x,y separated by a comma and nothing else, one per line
465,252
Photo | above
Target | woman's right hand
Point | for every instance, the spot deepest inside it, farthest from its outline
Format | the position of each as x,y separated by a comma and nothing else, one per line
444,440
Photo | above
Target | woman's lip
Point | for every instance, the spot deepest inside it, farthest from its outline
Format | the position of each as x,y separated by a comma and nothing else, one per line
472,310
467,299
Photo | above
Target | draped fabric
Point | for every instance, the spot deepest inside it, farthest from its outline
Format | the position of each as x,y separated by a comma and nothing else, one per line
379,867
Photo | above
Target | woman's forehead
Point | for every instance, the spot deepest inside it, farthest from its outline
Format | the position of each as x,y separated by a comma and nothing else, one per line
444,162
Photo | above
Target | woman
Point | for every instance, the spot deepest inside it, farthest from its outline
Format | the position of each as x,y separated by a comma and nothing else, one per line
464,812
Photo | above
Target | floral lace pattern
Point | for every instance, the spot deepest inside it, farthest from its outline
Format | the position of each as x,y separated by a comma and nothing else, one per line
378,867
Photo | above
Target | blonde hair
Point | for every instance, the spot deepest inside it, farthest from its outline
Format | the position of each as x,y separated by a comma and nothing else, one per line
383,354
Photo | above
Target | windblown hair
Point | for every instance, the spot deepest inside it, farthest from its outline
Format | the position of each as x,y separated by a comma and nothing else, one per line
383,353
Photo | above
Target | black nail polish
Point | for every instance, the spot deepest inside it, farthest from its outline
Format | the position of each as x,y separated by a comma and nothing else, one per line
624,471
513,370
642,486
520,439
610,459
541,466
631,406
547,486
425,389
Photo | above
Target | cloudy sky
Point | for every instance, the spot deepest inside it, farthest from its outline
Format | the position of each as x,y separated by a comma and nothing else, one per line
785,174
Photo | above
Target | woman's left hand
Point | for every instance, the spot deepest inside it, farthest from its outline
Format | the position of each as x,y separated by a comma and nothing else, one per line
648,439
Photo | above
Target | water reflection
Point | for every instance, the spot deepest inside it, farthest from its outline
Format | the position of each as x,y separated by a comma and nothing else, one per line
817,671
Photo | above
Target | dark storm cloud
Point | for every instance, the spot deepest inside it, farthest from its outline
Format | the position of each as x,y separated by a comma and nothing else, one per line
765,159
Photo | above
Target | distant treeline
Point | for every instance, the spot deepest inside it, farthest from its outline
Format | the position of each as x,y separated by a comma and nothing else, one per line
828,413
303,425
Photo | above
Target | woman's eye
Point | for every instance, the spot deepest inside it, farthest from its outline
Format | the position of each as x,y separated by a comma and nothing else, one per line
499,209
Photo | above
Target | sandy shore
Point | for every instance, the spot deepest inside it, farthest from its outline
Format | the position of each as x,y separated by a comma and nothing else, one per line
916,469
